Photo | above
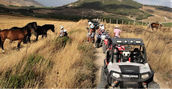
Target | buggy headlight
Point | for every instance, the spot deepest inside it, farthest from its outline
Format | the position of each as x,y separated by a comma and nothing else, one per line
116,75
144,76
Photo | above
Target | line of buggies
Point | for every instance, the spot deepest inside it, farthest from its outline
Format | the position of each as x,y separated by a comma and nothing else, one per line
125,64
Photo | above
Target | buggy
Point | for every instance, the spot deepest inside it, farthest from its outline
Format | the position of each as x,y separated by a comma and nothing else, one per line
126,65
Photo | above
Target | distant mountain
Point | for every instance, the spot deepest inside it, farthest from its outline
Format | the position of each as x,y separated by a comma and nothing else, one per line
20,3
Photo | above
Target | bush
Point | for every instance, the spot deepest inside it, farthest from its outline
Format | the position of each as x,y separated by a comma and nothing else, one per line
61,42
28,73
86,76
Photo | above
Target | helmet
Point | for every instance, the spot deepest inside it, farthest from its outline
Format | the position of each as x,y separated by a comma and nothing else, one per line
65,30
61,27
92,26
116,26
126,53
89,23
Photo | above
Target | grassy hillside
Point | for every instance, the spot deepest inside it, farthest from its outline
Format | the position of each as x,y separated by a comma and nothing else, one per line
116,7
85,9
48,63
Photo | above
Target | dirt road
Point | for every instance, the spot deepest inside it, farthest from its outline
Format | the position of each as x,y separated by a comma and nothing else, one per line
99,62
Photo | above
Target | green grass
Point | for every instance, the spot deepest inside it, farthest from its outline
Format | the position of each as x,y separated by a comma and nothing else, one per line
60,42
124,8
167,24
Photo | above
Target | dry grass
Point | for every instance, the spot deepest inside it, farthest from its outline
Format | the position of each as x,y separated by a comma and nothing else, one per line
158,14
70,67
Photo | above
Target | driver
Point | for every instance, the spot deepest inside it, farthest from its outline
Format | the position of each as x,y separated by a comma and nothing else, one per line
126,56
117,32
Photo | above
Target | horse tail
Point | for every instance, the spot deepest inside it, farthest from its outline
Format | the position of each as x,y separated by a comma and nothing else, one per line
0,40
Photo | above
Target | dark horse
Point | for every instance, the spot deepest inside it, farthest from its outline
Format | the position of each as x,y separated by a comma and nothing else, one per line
16,33
42,30
155,25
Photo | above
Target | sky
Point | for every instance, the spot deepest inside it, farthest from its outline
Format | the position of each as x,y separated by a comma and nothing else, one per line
167,3
55,3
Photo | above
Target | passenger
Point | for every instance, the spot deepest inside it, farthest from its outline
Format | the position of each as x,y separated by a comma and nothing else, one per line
88,29
63,32
101,29
117,32
92,33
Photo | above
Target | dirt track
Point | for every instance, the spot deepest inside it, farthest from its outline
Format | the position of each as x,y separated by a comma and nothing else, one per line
99,62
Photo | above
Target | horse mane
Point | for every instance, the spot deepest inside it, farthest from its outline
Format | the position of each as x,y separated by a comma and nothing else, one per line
30,24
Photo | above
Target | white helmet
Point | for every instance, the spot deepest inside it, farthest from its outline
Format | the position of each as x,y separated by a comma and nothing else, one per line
61,27
65,30
126,53
116,26
89,23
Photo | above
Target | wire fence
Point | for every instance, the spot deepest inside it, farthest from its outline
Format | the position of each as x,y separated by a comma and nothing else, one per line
125,22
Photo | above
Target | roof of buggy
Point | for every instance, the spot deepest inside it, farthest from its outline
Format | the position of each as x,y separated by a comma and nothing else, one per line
127,41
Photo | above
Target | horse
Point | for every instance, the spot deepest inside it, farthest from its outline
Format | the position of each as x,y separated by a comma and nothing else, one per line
32,27
17,34
42,30
155,25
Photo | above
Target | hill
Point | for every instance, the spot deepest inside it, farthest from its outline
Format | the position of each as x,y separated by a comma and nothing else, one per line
110,10
124,8
161,14
20,3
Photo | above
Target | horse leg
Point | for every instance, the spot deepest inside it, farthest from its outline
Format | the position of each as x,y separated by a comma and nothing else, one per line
18,45
28,38
37,37
2,46
45,35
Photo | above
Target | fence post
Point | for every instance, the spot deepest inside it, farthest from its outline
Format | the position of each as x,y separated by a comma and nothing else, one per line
134,22
128,22
116,21
122,22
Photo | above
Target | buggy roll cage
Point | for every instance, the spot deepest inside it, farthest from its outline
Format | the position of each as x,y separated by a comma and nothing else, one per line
129,41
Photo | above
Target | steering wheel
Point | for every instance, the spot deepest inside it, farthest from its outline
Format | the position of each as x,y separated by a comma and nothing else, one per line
138,59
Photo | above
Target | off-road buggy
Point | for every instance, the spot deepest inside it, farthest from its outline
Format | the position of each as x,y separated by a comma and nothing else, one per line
126,65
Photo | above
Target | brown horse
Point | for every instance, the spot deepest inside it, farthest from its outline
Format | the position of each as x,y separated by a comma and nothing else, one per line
19,34
155,25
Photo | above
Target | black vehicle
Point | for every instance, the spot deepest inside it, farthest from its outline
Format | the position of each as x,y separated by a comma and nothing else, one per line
126,65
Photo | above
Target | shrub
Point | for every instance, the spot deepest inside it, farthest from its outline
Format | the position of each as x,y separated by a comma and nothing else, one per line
30,72
61,42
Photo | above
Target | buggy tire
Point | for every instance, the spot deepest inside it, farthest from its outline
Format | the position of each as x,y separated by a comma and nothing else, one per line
153,85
